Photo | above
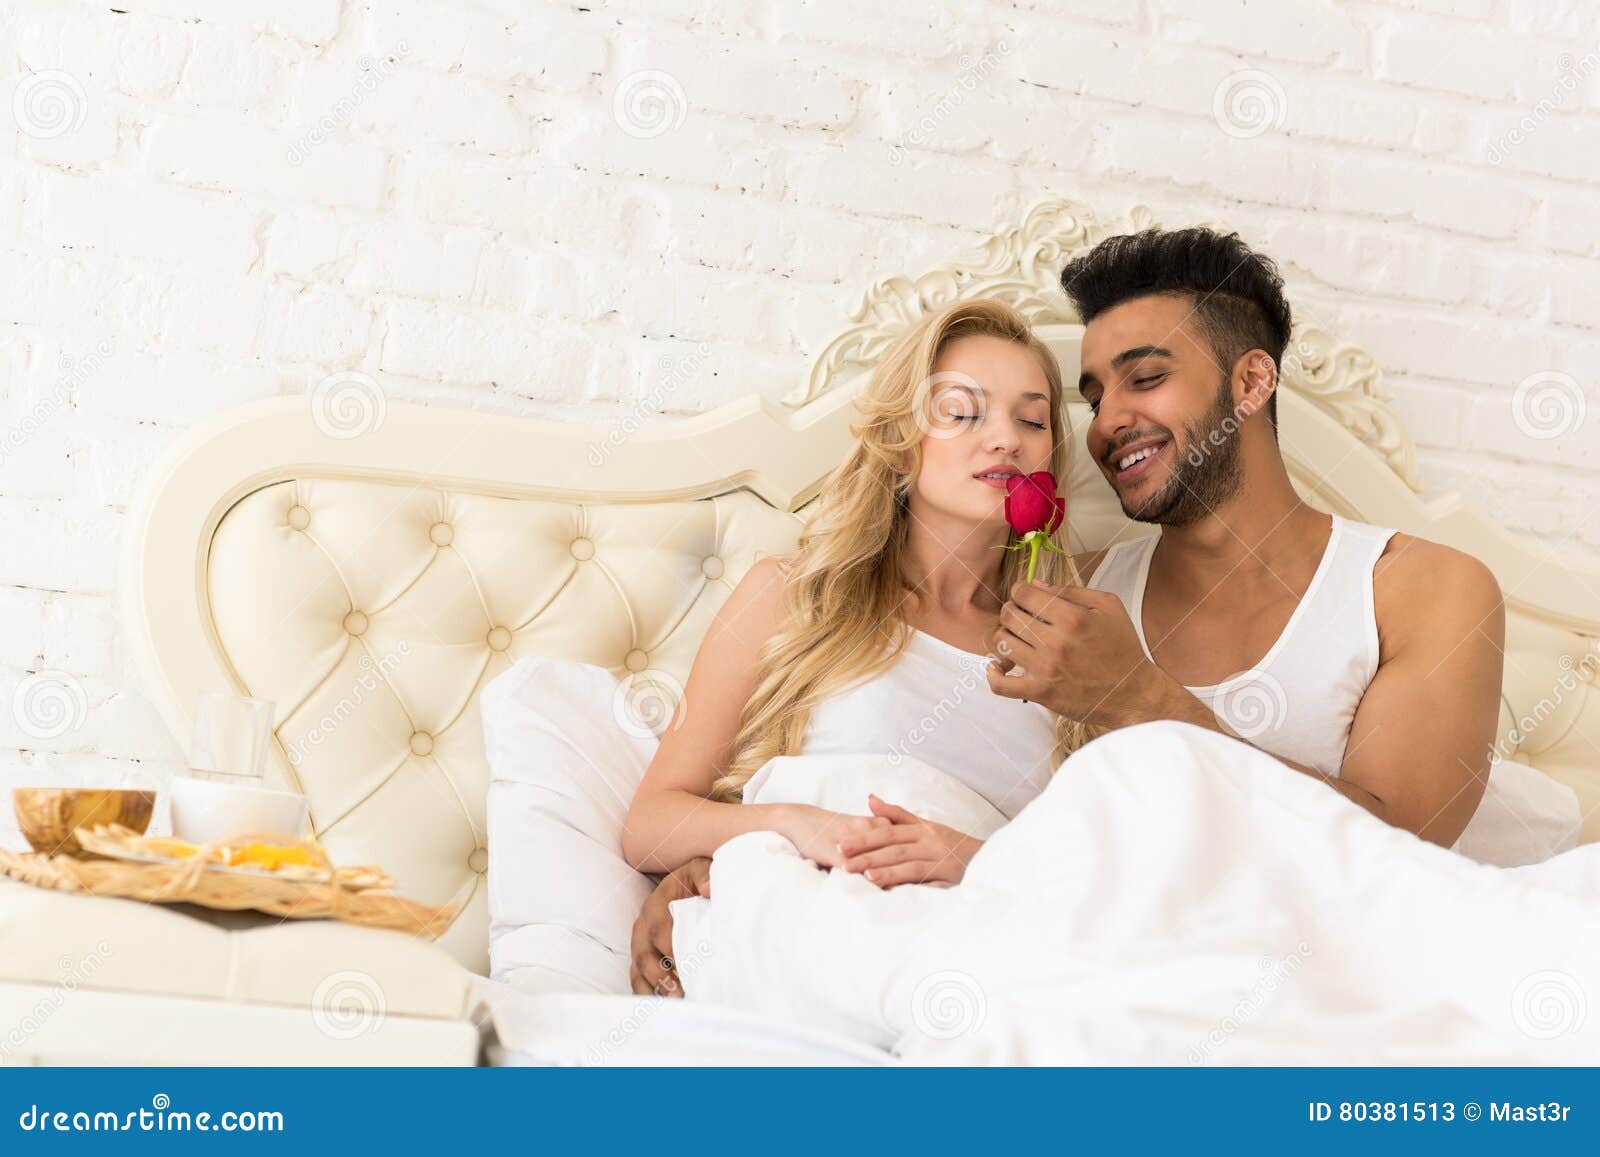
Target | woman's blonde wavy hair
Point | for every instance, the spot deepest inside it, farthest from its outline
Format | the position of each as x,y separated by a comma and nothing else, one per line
844,590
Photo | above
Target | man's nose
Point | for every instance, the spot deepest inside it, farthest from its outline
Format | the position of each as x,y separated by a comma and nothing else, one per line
1113,419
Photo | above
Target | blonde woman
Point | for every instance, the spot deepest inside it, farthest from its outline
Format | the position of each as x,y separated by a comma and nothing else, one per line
885,611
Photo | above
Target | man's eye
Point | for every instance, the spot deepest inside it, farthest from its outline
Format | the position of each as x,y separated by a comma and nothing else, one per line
1150,381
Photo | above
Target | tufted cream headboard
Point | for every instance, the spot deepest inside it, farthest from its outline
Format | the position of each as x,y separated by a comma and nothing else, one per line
368,566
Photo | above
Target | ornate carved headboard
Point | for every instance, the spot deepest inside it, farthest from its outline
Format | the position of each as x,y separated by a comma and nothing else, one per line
370,566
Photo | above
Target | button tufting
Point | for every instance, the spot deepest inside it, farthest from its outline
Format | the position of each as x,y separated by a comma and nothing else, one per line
636,660
442,533
499,639
478,861
299,517
712,567
355,623
582,549
421,743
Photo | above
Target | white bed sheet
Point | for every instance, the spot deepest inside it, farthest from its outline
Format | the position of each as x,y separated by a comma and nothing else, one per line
571,1029
1174,896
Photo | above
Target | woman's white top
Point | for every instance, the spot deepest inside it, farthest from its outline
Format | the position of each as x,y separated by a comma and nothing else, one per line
1299,701
934,704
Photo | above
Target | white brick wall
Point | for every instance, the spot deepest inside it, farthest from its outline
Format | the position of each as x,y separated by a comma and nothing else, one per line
204,202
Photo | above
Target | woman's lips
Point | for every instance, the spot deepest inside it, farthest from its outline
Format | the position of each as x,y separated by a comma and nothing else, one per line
997,483
1142,466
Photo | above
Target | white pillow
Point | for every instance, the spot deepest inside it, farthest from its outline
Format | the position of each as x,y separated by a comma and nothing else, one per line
563,770
1525,817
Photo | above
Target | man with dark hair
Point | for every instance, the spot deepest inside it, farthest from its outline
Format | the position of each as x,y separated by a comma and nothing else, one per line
1367,658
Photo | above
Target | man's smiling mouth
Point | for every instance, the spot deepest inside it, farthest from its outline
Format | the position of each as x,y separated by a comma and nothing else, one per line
1137,460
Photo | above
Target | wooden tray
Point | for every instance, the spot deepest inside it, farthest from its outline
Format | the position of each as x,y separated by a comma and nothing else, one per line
340,894
116,842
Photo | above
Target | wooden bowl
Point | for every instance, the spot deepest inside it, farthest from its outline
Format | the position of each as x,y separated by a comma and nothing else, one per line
49,817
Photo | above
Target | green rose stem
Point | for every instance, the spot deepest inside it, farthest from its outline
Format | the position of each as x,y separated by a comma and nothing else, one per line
1033,542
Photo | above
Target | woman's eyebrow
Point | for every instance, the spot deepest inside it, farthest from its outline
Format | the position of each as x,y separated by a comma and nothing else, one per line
1031,395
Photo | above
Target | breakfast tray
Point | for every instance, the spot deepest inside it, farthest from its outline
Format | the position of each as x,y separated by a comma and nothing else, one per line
355,895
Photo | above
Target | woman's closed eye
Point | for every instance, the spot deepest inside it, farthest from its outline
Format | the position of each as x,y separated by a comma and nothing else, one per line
1025,422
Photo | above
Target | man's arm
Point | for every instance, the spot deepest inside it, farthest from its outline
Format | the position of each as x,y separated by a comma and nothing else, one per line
1424,734
651,969
1420,744
1177,702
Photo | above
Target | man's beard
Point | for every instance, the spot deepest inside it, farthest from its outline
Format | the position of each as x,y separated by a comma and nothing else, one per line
1207,471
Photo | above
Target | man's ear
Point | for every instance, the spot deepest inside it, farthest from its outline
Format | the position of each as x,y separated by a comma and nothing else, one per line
1255,379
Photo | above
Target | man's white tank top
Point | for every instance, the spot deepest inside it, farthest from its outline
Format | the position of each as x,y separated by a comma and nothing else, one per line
1299,700
934,704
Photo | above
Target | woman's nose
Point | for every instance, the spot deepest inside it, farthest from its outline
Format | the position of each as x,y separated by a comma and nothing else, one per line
1004,436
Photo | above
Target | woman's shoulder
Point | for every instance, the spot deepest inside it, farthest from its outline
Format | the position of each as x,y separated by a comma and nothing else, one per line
766,575
757,597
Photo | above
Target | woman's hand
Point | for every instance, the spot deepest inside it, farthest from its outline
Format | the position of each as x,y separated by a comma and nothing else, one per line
909,850
817,832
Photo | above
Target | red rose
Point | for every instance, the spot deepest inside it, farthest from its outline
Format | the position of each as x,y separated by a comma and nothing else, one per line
1032,504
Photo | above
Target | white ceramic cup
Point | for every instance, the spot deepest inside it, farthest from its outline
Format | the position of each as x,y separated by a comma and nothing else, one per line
204,810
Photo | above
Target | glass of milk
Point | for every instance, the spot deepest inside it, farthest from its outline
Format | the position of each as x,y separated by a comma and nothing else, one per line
224,794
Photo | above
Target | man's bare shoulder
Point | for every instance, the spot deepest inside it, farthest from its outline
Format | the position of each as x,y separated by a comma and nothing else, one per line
1415,568
1420,584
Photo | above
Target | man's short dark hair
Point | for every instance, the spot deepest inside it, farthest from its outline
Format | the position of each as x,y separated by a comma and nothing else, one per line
1237,292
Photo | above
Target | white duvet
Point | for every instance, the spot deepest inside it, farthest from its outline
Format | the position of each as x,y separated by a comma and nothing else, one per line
1173,897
